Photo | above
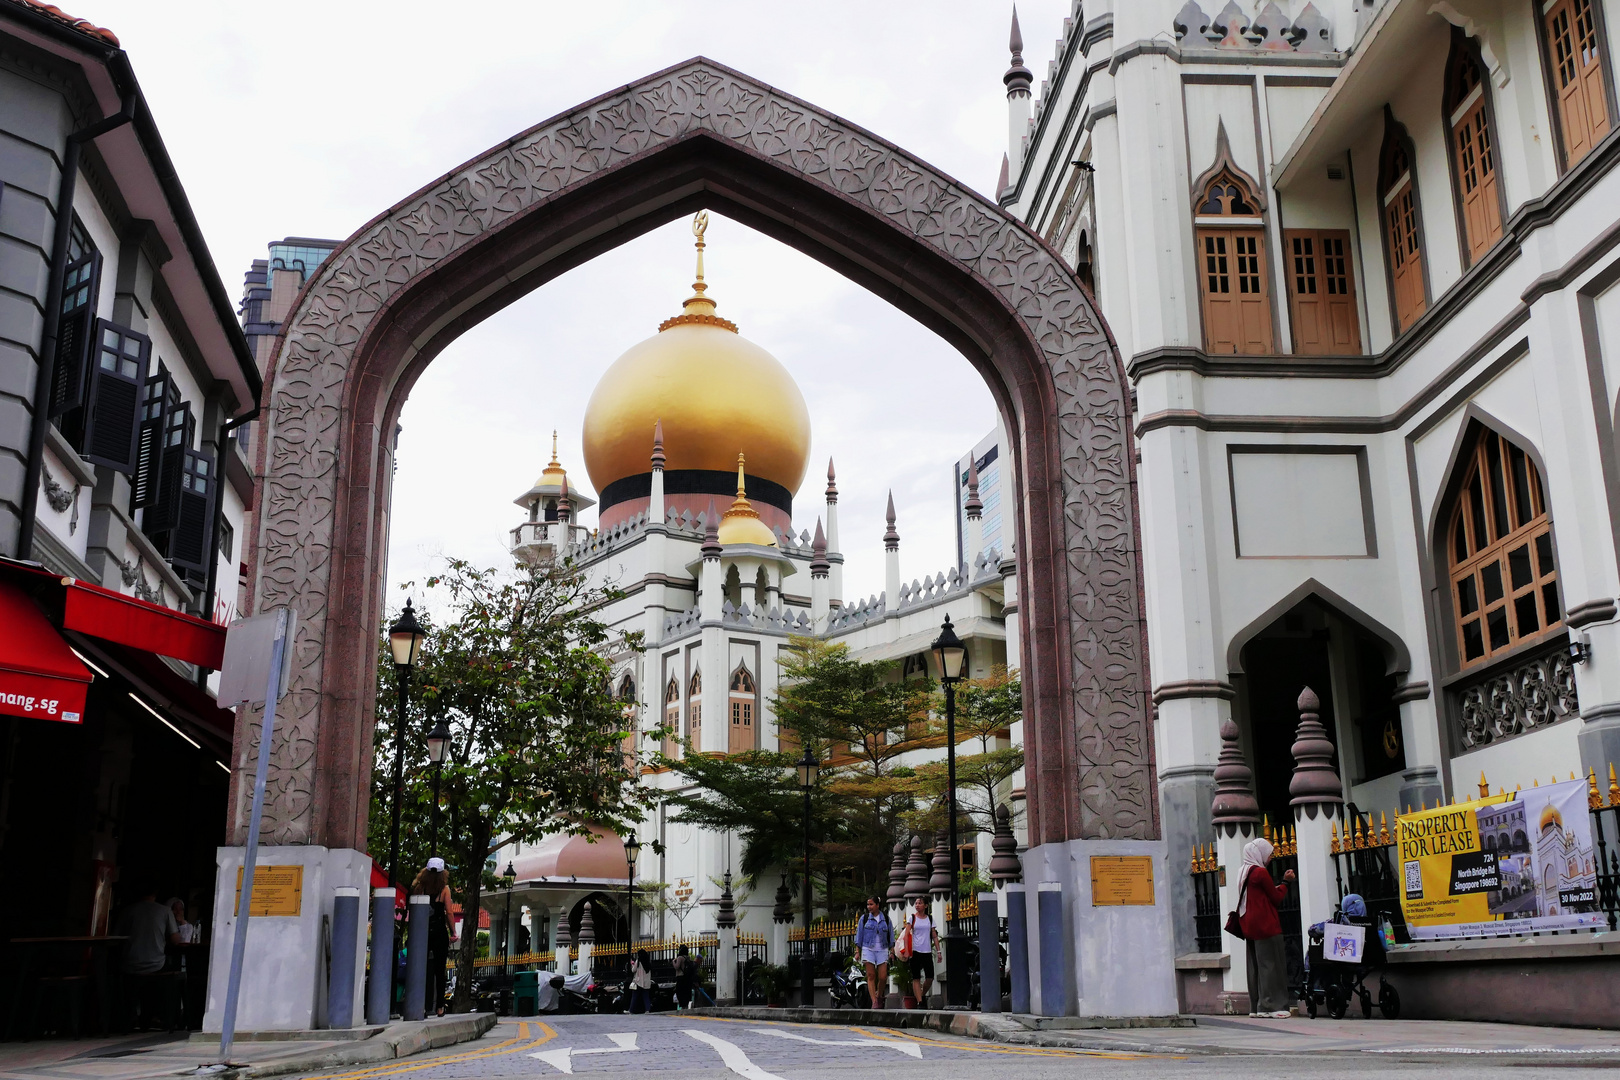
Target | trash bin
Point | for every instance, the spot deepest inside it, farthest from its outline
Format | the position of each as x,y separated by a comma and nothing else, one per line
526,993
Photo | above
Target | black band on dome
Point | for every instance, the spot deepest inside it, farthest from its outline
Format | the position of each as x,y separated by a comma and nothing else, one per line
722,485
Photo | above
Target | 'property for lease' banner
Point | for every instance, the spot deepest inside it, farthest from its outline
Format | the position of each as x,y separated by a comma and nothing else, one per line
1506,864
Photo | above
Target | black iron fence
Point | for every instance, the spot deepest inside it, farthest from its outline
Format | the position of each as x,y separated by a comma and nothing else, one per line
1606,836
1363,864
1207,878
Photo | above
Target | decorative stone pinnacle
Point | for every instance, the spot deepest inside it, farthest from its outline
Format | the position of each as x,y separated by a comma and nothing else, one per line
973,507
941,881
1004,181
1004,865
1018,77
897,875
783,911
587,925
916,871
832,483
711,534
1315,781
565,936
819,566
658,444
726,917
564,507
891,539
1234,803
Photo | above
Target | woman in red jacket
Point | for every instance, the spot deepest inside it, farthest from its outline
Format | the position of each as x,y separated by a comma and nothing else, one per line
1258,898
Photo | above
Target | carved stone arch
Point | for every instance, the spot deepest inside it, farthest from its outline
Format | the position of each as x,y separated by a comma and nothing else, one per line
1224,172
741,674
1397,658
699,135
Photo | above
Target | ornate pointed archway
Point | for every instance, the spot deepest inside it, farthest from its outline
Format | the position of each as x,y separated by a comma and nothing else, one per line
699,134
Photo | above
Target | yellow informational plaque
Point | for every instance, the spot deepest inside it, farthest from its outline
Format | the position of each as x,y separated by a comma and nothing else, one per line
1121,879
277,890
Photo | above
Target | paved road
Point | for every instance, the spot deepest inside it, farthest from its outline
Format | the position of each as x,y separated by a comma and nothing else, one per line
678,1047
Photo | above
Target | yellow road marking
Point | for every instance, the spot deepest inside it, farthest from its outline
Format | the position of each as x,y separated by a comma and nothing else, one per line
509,1046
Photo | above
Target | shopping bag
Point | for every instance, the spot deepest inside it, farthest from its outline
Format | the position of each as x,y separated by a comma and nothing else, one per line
1343,944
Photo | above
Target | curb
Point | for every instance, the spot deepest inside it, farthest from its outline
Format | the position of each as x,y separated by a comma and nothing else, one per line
393,1042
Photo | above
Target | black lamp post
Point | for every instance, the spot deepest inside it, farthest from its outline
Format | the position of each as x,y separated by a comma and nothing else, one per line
809,768
438,744
510,878
952,657
403,639
632,852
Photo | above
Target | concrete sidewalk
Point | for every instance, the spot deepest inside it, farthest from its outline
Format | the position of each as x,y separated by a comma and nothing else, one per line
140,1057
1202,1035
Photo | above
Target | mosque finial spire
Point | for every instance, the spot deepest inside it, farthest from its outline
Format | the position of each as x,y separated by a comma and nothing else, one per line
658,444
554,460
742,485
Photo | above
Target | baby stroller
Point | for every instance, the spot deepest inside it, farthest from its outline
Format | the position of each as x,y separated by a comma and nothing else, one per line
1331,982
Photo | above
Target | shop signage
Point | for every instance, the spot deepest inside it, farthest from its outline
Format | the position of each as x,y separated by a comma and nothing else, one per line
277,890
1121,880
1504,864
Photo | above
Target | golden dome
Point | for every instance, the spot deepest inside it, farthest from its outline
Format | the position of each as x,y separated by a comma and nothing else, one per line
716,393
1550,816
555,474
740,524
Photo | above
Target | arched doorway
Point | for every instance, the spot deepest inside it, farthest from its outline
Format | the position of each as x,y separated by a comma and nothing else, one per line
693,136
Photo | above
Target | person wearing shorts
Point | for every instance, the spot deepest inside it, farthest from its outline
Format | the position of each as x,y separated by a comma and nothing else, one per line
875,937
924,935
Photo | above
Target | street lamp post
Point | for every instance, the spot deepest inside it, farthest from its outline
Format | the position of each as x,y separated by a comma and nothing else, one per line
808,770
438,744
952,655
510,878
403,639
632,852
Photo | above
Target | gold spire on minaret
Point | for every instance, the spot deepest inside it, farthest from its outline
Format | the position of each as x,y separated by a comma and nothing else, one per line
699,307
741,524
554,474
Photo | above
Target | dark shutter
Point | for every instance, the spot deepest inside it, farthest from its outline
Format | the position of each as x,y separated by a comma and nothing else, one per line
178,431
80,282
113,406
161,396
192,541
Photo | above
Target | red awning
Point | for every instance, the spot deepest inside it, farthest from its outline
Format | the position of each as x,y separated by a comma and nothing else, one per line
39,675
111,616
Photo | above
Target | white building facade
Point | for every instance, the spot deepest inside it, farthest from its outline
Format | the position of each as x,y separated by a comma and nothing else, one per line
1359,259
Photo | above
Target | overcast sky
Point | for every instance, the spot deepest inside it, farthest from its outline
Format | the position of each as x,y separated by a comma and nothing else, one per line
307,119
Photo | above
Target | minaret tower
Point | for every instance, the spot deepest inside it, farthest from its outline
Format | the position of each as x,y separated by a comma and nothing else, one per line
973,509
891,568
819,583
1018,80
657,536
834,552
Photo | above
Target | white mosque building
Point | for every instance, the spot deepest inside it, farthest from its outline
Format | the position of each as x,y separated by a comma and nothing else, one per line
697,442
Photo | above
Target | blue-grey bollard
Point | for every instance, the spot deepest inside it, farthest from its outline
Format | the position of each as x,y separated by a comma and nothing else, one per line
1054,987
416,958
345,937
381,987
1018,948
989,954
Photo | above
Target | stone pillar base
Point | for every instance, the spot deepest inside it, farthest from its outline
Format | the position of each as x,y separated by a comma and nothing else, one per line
283,970
1119,959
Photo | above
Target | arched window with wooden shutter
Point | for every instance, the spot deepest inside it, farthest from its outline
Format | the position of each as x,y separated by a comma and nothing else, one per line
694,710
1504,580
1574,54
742,699
1472,142
1403,226
1233,280
672,715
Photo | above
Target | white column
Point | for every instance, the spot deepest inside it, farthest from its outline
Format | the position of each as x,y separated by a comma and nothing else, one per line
1017,80
891,572
1317,800
778,949
725,971
1229,841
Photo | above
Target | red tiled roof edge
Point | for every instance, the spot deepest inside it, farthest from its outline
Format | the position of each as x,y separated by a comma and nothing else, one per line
84,26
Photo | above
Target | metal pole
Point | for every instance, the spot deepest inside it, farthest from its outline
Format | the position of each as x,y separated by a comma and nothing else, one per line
244,902
956,954
507,935
403,674
807,964
630,925
433,836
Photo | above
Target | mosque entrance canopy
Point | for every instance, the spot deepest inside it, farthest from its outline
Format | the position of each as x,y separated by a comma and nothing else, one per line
701,135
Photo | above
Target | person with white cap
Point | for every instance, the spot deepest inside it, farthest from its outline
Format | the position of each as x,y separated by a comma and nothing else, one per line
434,881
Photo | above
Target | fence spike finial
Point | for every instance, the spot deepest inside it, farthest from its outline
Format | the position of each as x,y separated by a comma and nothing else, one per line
1484,785
1614,788
1334,844
1383,830
1594,801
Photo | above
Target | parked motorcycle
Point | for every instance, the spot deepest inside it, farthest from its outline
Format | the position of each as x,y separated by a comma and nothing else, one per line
574,993
848,986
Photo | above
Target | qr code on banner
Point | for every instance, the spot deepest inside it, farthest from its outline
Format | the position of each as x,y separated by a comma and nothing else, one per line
1414,880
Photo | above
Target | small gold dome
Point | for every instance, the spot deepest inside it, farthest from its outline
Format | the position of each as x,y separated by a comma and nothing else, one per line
714,391
1549,814
555,474
740,524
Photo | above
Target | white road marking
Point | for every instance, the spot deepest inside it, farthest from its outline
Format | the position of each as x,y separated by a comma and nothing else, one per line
911,1048
733,1057
561,1059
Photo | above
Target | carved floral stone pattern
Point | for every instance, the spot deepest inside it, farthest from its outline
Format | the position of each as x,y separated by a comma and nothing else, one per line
1112,753
1531,695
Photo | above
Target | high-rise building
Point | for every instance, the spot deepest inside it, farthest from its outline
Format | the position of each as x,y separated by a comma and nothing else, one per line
987,455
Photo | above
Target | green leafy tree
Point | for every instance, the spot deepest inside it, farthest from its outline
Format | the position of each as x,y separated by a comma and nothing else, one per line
515,666
985,709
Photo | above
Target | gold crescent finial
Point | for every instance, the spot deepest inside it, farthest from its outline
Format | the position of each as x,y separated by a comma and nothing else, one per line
700,223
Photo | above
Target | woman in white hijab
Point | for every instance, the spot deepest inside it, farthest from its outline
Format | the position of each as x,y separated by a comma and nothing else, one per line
1258,897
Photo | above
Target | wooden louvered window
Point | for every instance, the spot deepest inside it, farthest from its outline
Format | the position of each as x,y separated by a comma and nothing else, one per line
1321,292
1575,61
694,710
742,700
117,380
1232,280
1473,154
672,716
1402,246
1504,582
